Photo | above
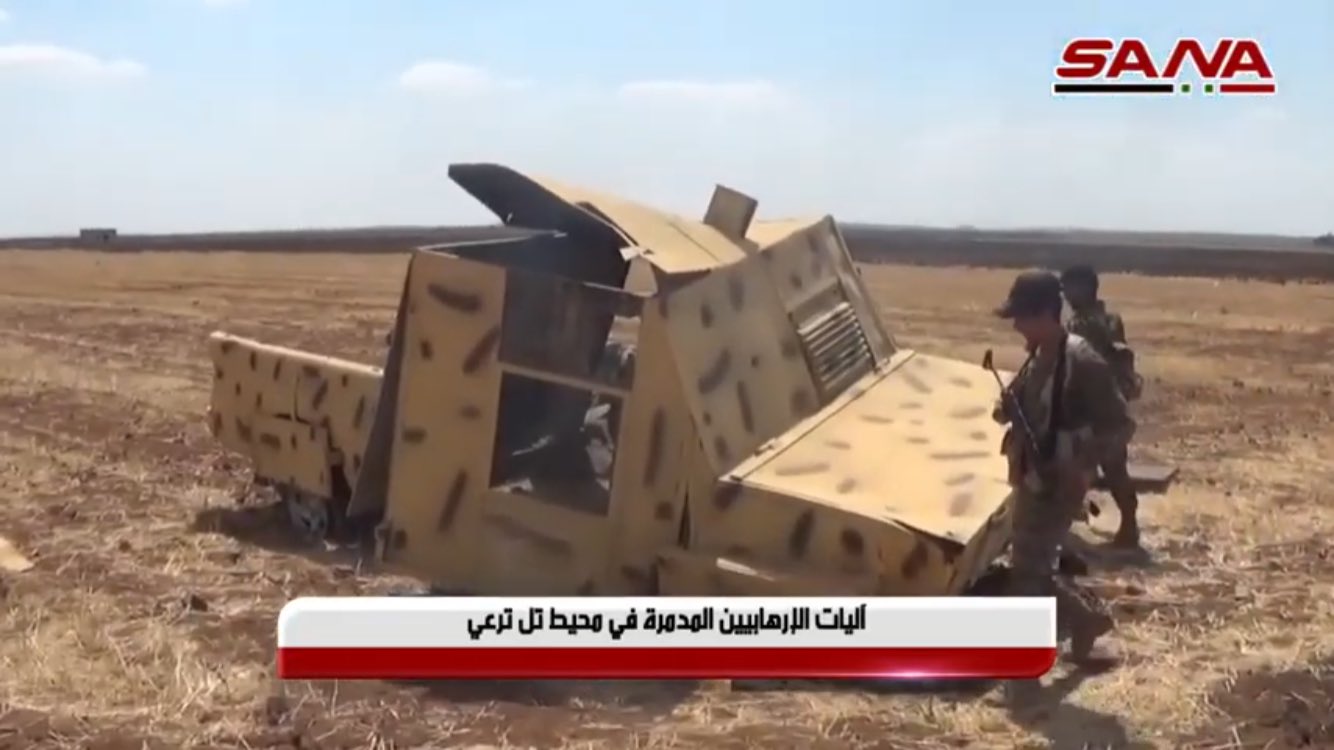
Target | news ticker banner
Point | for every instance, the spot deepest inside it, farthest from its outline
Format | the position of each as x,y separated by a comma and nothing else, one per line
422,638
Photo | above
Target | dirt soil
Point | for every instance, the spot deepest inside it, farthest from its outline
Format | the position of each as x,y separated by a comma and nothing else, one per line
148,618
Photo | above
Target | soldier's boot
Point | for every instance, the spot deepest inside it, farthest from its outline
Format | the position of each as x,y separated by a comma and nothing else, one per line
1127,534
1084,648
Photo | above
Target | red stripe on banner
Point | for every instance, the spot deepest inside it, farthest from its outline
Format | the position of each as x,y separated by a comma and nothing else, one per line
662,663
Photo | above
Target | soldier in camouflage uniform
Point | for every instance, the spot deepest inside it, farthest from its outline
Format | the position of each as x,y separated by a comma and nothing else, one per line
1106,333
1069,399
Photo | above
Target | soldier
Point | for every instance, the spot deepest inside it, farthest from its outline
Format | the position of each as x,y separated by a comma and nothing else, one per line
1069,399
1106,333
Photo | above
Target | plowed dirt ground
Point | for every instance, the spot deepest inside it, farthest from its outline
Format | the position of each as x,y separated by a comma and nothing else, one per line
148,618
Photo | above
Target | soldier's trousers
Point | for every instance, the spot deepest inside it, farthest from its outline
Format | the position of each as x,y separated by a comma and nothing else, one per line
1041,521
1116,474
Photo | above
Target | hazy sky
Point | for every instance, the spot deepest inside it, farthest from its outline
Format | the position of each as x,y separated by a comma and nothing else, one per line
171,115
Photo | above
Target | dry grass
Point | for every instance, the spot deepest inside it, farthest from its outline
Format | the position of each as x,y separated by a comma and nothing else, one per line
148,618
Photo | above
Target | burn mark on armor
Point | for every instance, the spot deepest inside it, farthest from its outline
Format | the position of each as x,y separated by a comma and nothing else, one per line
470,412
277,368
916,383
877,419
846,485
969,412
480,351
736,292
961,503
959,455
453,498
800,539
721,449
743,403
706,315
842,445
399,540
359,413
960,479
852,542
802,402
413,435
726,494
790,349
663,511
226,346
254,361
716,373
656,435
463,302
915,561
802,469
321,393
243,430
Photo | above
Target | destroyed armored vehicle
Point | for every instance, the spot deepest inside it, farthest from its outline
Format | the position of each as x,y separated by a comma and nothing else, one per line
745,425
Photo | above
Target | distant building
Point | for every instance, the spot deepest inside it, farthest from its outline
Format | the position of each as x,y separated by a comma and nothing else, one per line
96,236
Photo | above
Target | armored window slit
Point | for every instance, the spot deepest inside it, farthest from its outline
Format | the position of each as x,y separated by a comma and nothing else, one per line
836,349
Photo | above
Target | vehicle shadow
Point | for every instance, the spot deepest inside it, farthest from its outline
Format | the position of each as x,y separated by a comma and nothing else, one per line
265,524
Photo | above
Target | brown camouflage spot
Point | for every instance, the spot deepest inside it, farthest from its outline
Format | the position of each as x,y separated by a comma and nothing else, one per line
969,412
910,405
291,440
790,349
795,280
802,402
400,539
359,413
917,440
716,374
877,419
958,455
915,383
453,499
481,351
842,445
458,301
226,346
743,403
342,380
237,389
736,292
663,511
802,469
413,435
254,361
706,315
215,421
721,449
217,373
427,351
915,561
961,503
846,485
277,368
977,435
243,430
852,542
800,539
959,479
310,371
959,382
470,412
321,393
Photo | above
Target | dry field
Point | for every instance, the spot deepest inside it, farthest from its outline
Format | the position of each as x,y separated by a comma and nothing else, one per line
148,618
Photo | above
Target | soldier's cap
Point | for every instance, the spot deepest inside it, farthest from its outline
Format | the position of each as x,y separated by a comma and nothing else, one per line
1033,293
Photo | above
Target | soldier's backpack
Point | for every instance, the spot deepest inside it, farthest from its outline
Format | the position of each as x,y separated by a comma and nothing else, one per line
1122,360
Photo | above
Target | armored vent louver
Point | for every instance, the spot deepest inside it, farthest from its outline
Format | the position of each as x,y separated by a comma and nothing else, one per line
836,349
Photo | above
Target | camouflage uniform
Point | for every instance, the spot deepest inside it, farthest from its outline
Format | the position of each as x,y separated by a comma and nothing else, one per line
1070,400
1106,333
